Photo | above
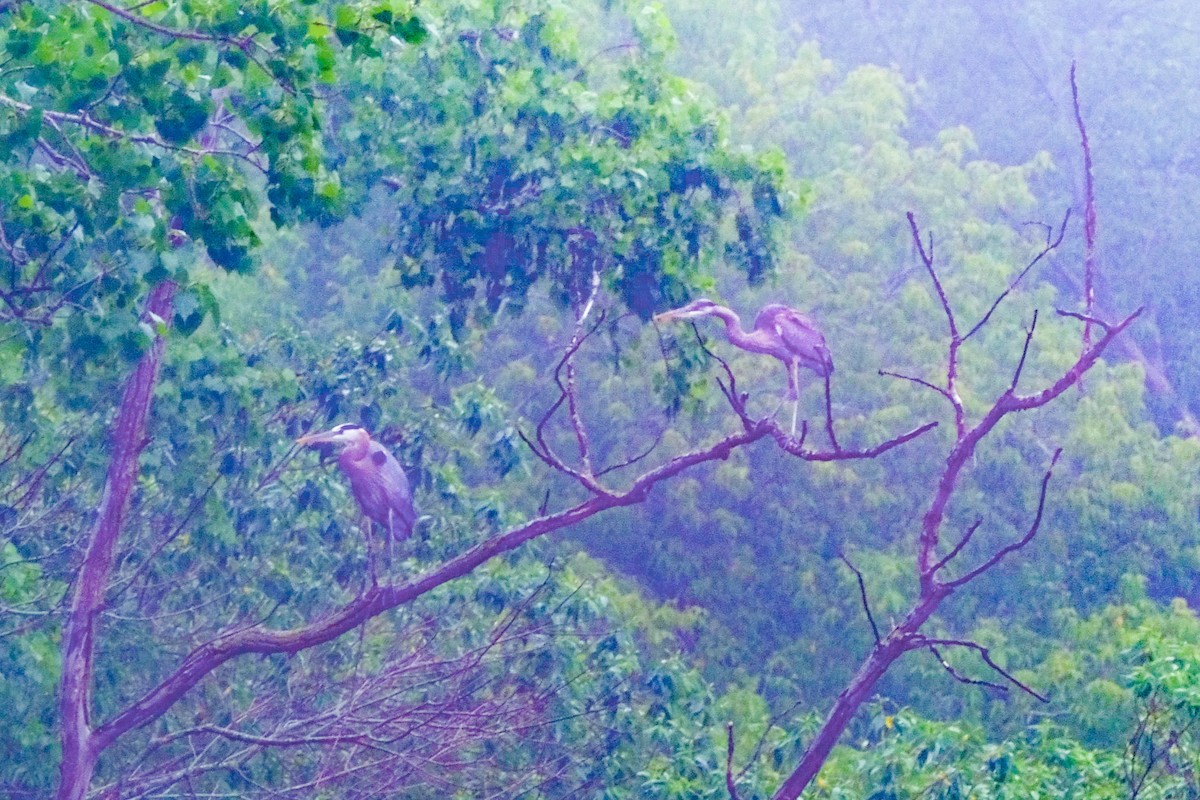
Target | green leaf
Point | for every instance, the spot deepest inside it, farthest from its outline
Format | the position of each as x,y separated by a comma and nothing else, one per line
182,117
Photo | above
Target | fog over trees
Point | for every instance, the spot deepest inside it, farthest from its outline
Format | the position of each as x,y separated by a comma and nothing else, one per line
969,569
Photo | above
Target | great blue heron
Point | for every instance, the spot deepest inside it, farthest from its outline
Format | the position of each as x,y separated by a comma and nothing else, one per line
376,479
778,331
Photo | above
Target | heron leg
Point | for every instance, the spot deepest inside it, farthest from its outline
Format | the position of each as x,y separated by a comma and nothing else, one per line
794,391
390,534
371,555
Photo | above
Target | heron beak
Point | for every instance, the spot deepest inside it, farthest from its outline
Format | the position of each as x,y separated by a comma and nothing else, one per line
665,316
315,438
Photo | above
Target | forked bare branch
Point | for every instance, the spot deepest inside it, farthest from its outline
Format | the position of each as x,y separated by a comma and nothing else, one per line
986,656
906,635
958,676
1051,246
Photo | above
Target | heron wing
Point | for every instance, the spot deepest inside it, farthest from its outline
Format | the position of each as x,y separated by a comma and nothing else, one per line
803,339
382,491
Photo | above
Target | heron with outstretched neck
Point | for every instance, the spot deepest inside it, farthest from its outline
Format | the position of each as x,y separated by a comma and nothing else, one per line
376,480
779,331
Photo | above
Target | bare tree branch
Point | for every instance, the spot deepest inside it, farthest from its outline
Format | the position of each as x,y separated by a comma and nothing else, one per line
984,654
862,594
1050,247
377,599
919,382
906,635
958,676
955,340
966,537
833,442
1012,387
1089,214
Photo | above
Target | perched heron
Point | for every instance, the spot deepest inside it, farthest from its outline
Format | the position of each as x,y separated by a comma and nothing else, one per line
778,331
376,479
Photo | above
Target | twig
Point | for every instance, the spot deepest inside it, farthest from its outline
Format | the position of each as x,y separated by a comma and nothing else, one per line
829,415
955,339
772,723
957,547
1012,387
633,459
736,400
927,260
577,338
796,448
539,446
1089,320
999,555
918,381
862,593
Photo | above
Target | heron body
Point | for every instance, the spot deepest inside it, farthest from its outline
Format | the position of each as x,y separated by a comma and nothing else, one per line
376,478
779,331
380,487
798,342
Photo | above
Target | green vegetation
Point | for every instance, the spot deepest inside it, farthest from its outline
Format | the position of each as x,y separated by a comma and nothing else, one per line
278,217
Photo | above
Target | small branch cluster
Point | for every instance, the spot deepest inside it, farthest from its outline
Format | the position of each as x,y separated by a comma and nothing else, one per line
417,721
956,339
1155,743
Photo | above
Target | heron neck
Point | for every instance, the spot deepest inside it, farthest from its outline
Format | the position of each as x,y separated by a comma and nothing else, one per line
733,323
738,335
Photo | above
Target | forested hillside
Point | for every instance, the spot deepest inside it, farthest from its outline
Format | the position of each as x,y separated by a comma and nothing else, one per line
968,570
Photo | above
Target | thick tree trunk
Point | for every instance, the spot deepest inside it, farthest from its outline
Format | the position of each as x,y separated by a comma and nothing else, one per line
79,751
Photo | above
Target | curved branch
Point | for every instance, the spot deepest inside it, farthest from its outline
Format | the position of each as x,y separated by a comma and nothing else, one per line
958,676
796,448
378,599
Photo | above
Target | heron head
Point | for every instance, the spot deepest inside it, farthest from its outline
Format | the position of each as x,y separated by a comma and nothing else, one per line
697,308
345,434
